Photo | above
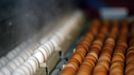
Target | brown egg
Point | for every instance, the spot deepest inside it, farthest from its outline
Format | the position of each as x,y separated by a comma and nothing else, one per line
119,50
93,54
75,62
123,44
130,52
131,72
108,46
93,50
89,36
105,30
129,67
94,30
120,54
82,73
87,40
72,65
105,57
90,57
117,65
89,62
82,54
68,71
98,42
124,29
104,64
100,67
114,35
81,50
107,51
84,70
80,46
99,73
110,41
96,46
83,46
116,71
85,67
131,42
130,59
101,38
77,57
99,70
130,49
117,58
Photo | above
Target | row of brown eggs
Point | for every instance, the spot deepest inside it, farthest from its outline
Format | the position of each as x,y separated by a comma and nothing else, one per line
89,62
118,59
81,50
103,63
130,55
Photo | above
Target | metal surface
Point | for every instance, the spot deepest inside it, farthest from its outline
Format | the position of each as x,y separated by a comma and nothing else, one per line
44,47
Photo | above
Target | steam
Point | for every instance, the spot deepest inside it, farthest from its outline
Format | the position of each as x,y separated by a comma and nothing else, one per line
21,19
32,15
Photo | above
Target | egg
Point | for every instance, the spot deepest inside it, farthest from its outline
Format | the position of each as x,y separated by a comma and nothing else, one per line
85,70
77,57
68,71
